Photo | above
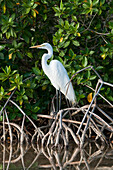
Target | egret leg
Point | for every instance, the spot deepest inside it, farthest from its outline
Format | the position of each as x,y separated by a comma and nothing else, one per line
68,104
58,100
57,94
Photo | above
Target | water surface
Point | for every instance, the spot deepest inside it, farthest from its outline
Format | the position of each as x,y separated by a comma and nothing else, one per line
34,157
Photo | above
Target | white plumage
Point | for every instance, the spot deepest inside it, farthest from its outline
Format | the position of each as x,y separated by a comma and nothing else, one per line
56,72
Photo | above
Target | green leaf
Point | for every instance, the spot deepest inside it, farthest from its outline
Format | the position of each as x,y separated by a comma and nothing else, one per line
45,17
14,43
61,22
19,45
36,109
25,97
85,6
56,9
71,53
34,116
13,72
91,52
95,2
92,77
60,31
18,86
61,60
12,116
8,35
2,76
88,74
66,44
2,90
27,10
61,54
77,26
110,98
84,62
111,69
74,18
66,24
29,93
76,43
29,54
1,119
99,68
2,47
55,40
112,31
1,56
13,16
26,38
106,77
108,90
102,2
11,32
36,70
19,55
89,1
12,88
14,56
82,96
61,5
4,29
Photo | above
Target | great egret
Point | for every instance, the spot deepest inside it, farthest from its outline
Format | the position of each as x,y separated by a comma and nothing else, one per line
56,72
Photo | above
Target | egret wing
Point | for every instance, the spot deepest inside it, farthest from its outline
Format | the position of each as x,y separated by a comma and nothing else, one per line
60,79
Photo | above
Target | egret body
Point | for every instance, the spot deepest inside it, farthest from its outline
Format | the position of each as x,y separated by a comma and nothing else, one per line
56,72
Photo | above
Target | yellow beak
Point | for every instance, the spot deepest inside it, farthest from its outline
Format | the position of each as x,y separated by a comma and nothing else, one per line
36,46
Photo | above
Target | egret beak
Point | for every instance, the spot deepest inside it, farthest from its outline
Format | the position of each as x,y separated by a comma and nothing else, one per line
36,46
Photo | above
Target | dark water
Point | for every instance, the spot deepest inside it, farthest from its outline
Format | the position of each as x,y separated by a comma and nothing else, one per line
34,157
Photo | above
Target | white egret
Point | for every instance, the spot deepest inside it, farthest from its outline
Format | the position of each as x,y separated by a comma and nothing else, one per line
56,72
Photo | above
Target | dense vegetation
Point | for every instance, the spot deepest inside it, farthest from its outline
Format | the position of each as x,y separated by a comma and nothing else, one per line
81,33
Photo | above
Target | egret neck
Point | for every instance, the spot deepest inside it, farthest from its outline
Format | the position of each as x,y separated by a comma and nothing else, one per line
45,58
